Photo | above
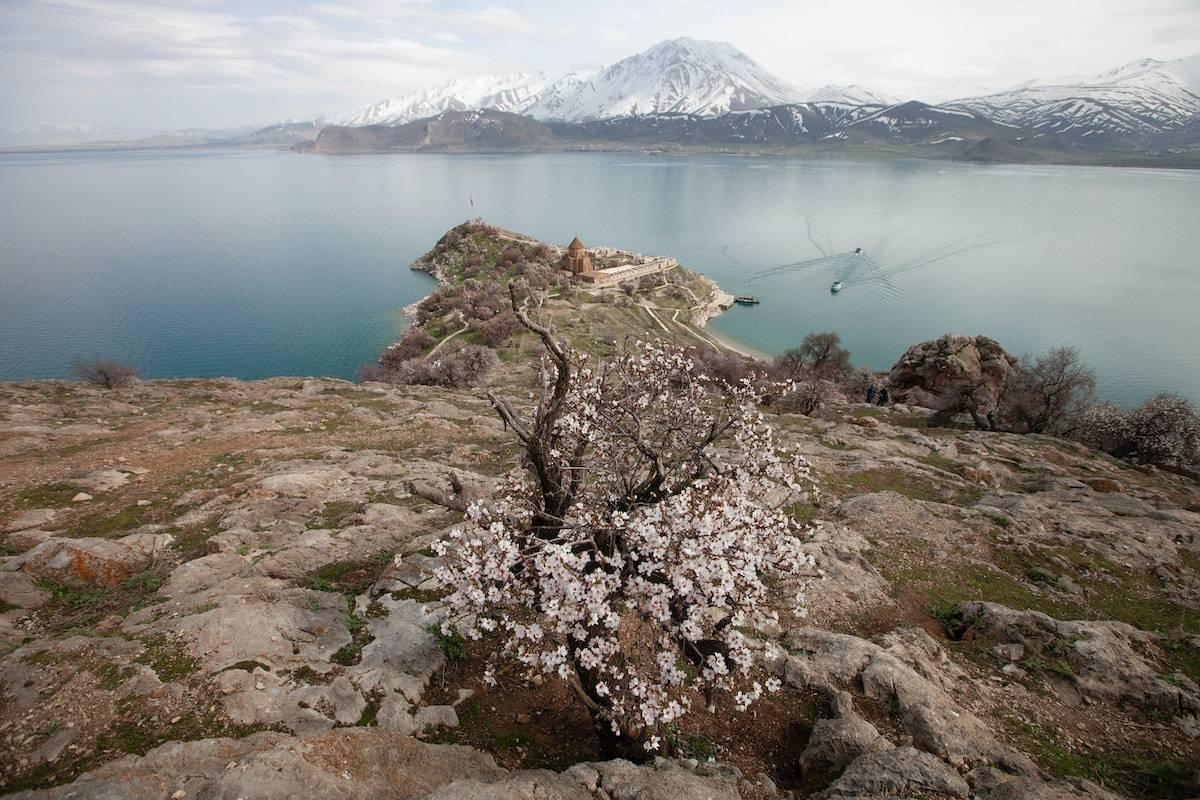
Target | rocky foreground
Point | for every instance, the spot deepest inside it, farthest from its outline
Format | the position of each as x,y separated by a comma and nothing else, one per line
198,599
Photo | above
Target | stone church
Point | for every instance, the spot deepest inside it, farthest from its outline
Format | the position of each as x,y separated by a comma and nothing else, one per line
576,260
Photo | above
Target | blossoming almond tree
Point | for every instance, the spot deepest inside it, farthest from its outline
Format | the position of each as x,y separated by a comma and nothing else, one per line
633,554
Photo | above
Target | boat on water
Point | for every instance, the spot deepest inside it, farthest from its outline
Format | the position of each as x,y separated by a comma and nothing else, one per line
746,300
837,287
858,251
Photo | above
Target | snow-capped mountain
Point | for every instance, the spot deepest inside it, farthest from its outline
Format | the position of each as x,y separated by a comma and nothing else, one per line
679,76
686,76
1142,101
515,93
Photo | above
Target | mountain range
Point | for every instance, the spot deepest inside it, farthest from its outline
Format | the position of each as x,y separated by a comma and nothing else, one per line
690,94
678,76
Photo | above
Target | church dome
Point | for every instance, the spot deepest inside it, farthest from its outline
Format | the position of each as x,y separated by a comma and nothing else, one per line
576,245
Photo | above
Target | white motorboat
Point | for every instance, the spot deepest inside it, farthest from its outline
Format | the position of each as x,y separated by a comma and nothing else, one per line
837,286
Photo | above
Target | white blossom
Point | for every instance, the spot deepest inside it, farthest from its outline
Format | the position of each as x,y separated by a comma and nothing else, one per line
664,528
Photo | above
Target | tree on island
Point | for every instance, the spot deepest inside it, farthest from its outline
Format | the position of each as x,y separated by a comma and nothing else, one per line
634,551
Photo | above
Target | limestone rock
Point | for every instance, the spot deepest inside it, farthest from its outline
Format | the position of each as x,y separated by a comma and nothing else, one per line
33,518
17,589
937,370
102,480
102,562
369,763
1105,658
902,772
836,742
909,675
304,483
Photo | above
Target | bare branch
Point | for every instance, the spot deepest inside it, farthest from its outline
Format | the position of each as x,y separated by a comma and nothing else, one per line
462,497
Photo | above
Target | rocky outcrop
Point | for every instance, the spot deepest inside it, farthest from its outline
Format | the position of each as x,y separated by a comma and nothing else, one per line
1095,661
903,772
99,562
838,741
277,603
908,672
936,374
364,764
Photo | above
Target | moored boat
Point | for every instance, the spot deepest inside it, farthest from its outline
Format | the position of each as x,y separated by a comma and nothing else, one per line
746,300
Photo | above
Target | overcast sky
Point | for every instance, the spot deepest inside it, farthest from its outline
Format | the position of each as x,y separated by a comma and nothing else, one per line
210,63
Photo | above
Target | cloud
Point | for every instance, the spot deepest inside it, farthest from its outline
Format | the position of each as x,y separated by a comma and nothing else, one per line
218,62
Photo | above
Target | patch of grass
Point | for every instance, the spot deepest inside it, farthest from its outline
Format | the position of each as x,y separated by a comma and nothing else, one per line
332,514
916,487
46,495
1039,575
1110,591
1134,770
1181,657
693,745
370,712
452,643
350,578
948,584
204,608
110,676
169,660
386,496
192,540
146,581
46,658
108,524
803,513
73,597
309,676
939,461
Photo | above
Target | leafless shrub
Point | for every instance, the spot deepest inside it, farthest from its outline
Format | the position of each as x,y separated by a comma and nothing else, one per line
820,355
495,330
459,367
414,342
104,372
723,365
806,397
1049,394
511,255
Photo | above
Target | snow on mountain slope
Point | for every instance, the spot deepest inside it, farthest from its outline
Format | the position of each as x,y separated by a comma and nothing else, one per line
852,94
1141,101
679,76
684,75
514,93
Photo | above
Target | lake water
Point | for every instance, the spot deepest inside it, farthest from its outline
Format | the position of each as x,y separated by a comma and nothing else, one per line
253,264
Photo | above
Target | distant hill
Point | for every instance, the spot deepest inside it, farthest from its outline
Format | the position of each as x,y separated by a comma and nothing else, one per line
905,129
475,131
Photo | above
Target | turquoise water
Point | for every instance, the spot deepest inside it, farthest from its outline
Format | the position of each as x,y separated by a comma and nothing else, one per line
252,264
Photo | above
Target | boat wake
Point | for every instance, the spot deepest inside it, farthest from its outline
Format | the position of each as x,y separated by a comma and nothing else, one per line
869,276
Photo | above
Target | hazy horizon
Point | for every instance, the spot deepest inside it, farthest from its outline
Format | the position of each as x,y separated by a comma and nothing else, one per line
214,63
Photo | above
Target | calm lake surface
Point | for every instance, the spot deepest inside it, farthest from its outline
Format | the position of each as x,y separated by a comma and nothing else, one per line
253,264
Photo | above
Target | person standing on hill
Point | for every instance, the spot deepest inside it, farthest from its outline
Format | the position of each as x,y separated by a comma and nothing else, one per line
870,393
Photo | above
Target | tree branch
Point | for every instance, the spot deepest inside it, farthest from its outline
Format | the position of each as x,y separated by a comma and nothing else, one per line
458,501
